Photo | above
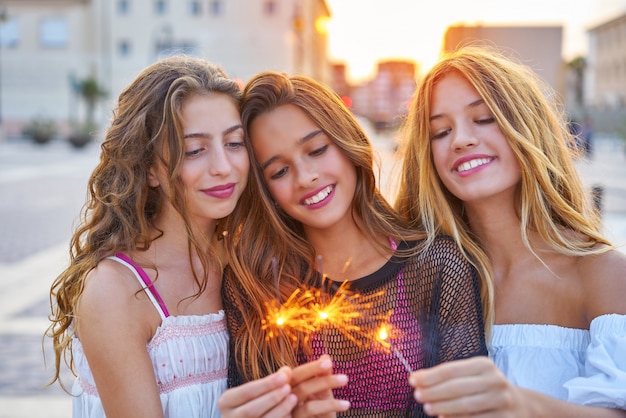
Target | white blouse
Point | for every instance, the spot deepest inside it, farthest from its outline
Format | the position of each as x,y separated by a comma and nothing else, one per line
586,367
189,354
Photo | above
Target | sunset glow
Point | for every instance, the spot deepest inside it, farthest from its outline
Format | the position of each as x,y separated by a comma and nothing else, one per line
361,32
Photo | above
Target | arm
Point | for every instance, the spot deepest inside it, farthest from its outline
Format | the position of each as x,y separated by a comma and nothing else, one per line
114,325
475,387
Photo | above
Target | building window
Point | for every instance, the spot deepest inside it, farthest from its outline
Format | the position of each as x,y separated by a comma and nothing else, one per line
195,8
10,33
123,7
166,48
53,33
160,7
216,7
123,48
270,7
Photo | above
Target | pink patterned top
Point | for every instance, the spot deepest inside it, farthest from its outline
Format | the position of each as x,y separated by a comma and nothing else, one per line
189,356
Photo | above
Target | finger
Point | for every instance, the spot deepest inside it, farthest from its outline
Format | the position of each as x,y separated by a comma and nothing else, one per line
470,395
320,408
280,410
252,390
274,404
480,405
450,370
262,393
322,365
459,387
316,386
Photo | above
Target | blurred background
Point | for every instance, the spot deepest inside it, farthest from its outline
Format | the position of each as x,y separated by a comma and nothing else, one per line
64,62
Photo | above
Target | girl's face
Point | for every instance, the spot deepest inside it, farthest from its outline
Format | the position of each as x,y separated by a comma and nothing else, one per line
471,155
307,174
215,166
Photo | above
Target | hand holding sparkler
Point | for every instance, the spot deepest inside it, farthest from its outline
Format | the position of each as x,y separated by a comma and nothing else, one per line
305,391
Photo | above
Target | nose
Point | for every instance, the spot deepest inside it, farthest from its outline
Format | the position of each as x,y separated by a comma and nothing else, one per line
219,163
307,174
463,137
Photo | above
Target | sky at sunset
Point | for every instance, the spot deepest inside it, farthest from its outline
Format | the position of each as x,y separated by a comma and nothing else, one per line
363,31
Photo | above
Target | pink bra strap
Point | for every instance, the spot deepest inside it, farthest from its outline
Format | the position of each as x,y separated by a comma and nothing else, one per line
147,281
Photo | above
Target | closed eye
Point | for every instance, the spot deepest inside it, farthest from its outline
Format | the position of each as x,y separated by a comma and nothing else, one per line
194,153
441,134
279,173
485,121
319,151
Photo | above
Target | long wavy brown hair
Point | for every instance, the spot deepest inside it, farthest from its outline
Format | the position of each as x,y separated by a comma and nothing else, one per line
266,232
120,212
551,198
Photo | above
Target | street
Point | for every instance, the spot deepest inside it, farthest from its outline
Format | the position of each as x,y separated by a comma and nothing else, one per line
43,189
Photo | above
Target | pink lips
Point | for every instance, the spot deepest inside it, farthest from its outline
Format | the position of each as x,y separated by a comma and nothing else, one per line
322,202
223,191
470,164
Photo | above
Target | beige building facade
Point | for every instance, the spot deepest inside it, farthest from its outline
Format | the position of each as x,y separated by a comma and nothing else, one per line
605,83
539,47
47,46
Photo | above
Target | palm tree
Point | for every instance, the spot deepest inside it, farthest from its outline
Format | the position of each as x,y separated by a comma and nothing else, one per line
578,65
91,92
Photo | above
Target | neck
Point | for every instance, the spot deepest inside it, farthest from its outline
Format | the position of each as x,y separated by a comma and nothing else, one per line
175,241
346,252
498,229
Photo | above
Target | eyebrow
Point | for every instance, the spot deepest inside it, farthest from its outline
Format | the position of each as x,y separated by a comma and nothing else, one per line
471,105
302,141
209,136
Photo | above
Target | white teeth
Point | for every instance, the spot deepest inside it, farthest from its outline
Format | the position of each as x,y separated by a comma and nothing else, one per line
472,164
319,197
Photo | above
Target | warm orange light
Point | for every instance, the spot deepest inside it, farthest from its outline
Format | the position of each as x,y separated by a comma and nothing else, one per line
321,25
347,101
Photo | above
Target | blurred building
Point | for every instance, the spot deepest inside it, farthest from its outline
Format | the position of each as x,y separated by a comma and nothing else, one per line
539,47
384,99
605,72
48,46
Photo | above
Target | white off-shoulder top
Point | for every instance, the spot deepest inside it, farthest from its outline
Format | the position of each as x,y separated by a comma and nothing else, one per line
586,367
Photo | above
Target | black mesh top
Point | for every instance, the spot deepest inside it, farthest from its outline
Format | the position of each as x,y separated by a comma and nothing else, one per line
431,305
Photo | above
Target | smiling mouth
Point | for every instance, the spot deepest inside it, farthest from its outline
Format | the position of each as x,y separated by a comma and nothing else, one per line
468,165
323,194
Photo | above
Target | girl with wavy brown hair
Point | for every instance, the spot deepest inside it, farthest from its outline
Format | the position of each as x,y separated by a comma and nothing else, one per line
488,160
137,315
314,218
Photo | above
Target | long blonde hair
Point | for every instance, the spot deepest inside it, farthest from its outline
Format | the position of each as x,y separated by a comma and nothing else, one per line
120,213
551,198
265,232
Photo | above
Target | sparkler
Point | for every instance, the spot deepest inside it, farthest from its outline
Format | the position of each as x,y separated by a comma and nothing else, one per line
307,311
383,334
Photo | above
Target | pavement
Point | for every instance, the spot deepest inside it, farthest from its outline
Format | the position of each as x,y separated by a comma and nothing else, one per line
42,189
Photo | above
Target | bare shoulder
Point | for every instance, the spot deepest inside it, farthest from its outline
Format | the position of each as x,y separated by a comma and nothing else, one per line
112,295
604,278
108,283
